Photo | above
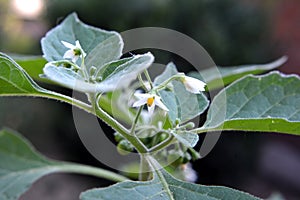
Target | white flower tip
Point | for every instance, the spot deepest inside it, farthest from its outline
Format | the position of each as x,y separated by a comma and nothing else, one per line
77,44
193,85
67,44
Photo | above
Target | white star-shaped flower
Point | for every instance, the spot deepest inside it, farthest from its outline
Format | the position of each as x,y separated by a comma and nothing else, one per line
150,100
74,52
193,85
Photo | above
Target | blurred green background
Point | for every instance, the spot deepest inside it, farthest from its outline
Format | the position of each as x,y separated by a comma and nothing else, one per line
233,32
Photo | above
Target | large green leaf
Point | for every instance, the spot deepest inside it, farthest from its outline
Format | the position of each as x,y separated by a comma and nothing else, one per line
268,103
14,81
101,46
220,76
33,65
182,104
125,71
164,187
21,165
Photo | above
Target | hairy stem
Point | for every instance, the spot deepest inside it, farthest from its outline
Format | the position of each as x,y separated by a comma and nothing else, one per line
94,171
142,82
166,82
144,168
148,78
99,112
163,144
140,147
132,131
204,130
157,170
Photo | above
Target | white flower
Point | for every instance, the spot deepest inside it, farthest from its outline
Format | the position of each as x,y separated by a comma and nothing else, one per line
74,52
189,173
193,85
151,100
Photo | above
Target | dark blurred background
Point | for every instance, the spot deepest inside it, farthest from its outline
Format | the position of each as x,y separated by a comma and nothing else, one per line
234,32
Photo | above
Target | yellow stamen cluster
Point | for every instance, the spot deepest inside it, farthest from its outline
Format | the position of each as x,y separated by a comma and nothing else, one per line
150,101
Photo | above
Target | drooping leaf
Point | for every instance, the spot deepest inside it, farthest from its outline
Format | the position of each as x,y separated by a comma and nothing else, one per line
181,103
222,76
101,46
21,165
122,75
269,103
164,187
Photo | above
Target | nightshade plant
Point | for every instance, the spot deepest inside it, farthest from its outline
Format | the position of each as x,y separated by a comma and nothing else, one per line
88,60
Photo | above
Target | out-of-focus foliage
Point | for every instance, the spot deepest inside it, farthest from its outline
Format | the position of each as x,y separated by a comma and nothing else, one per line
233,32
19,35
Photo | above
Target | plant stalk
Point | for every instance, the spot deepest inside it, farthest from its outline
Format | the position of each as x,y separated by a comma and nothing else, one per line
144,168
89,170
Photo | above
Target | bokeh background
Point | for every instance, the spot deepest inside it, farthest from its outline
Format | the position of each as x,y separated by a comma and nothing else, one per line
234,32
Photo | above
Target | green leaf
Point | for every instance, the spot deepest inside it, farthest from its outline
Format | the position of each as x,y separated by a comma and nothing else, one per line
164,187
220,76
109,68
120,77
182,104
101,46
21,165
269,103
33,65
14,81
187,138
113,104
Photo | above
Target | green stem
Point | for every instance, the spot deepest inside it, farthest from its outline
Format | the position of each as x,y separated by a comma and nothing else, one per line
142,82
148,78
136,120
204,130
144,168
163,144
157,170
84,70
89,170
166,82
61,62
63,98
140,147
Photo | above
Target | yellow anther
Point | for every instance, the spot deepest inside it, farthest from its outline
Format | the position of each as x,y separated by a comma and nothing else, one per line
150,101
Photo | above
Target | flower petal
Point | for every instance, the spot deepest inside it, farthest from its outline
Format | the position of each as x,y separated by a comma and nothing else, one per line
140,102
151,109
142,95
78,46
160,104
68,45
74,59
69,54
